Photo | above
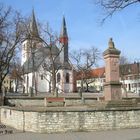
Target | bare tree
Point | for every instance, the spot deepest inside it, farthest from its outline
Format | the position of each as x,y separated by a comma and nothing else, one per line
112,6
85,60
52,65
10,37
123,60
124,66
16,74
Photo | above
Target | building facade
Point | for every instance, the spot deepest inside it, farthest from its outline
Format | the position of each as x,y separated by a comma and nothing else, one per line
7,84
93,81
129,77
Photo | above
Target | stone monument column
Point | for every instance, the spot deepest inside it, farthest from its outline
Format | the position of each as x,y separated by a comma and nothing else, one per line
112,86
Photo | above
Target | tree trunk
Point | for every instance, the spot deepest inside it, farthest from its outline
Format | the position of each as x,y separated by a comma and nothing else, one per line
53,81
49,86
35,83
1,89
87,87
16,85
81,90
27,89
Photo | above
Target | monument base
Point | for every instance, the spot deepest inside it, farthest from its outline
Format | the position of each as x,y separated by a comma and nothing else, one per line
112,91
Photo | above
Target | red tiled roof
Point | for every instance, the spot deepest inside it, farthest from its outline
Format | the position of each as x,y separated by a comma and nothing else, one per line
130,69
99,72
127,69
94,73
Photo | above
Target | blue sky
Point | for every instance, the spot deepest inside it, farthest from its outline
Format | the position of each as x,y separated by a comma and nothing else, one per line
82,18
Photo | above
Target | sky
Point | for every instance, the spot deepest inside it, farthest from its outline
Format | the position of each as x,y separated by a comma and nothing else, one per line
84,28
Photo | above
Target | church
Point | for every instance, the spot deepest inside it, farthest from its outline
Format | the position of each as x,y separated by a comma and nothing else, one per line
46,67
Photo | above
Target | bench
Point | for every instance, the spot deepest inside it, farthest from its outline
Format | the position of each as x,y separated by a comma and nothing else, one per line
54,99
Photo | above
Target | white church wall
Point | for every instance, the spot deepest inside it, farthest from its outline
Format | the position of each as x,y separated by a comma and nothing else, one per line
63,86
43,80
25,52
43,84
27,82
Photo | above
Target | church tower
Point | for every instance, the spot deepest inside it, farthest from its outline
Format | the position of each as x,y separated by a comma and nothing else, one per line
65,74
32,38
64,43
33,26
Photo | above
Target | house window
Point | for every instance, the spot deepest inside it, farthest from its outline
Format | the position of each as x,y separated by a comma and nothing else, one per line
67,77
78,82
41,77
58,77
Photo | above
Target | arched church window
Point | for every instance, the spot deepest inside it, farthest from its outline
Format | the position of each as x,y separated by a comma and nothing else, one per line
58,77
67,78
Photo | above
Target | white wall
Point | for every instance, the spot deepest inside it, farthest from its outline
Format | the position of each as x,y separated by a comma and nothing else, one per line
63,86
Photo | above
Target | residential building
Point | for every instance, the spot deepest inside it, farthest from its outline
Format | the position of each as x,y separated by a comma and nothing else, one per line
93,80
7,83
129,77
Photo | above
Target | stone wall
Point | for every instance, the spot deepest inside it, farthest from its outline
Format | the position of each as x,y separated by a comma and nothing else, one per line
39,101
69,119
11,101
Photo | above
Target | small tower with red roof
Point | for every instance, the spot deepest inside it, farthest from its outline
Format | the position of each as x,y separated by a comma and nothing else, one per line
64,43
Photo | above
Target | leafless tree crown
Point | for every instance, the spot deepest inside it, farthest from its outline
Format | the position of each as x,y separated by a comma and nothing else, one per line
112,6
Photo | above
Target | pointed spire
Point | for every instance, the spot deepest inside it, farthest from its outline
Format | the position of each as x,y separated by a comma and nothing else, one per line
64,42
33,26
63,32
111,44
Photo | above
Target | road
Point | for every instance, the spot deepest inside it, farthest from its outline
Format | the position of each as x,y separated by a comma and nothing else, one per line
124,134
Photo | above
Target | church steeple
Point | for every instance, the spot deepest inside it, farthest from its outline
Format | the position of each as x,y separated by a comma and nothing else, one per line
63,33
64,42
33,26
32,40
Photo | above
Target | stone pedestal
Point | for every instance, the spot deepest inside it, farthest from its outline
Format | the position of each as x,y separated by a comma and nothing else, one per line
112,86
112,91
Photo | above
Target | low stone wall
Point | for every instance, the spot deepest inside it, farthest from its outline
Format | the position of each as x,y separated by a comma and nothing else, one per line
52,120
24,101
39,101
